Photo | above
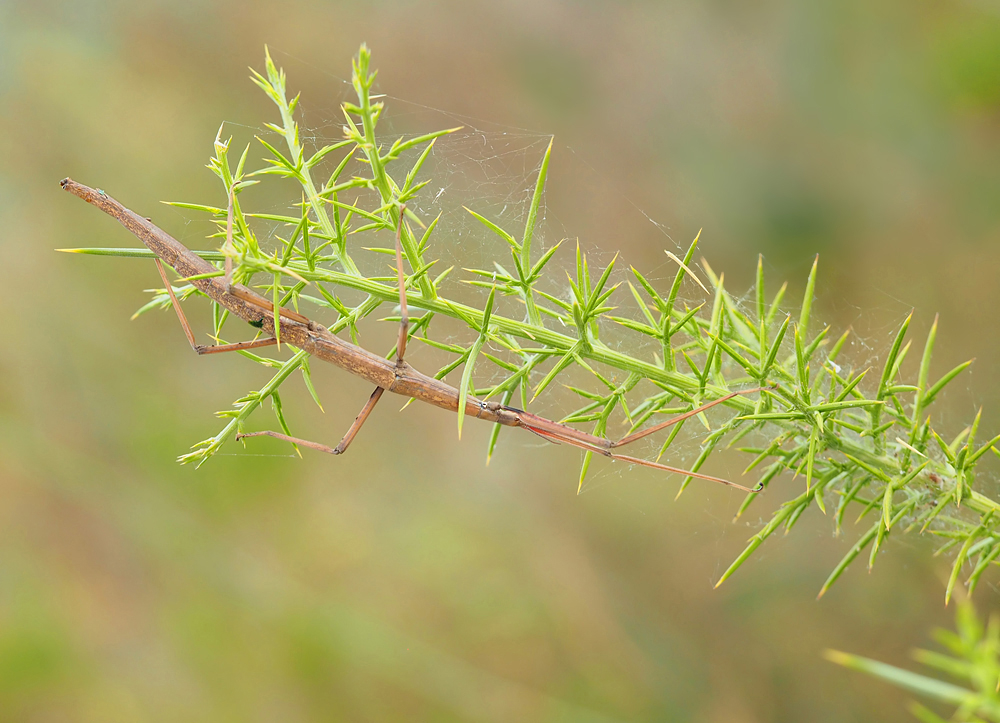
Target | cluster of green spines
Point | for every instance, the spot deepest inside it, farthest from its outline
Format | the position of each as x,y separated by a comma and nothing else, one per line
879,452
972,658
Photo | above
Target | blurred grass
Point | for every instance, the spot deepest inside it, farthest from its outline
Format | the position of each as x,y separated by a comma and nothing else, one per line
406,580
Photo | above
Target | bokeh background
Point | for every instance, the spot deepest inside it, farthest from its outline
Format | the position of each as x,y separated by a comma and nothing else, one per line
407,580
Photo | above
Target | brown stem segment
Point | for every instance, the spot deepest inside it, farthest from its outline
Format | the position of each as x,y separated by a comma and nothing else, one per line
397,377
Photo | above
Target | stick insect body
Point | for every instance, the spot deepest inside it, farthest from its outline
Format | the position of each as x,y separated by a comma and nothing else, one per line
395,376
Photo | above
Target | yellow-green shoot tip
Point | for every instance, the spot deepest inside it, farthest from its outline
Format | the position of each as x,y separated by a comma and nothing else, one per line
836,656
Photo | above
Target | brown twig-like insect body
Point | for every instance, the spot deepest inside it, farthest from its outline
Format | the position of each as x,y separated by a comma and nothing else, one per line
395,376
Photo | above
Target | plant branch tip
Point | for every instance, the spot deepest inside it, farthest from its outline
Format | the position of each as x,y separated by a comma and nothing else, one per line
836,656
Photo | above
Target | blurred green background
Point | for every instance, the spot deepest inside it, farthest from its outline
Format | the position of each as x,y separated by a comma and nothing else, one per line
407,580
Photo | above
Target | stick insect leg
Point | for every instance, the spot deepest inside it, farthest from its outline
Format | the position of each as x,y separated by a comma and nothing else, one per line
603,447
677,470
679,418
404,315
344,443
201,348
377,394
555,437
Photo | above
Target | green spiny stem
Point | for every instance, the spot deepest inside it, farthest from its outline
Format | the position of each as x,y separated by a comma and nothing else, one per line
303,174
874,450
386,188
595,351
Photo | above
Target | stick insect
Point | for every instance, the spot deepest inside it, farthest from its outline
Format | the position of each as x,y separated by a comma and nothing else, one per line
387,375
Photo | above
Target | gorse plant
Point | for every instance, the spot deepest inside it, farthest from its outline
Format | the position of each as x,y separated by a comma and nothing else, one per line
850,439
974,660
